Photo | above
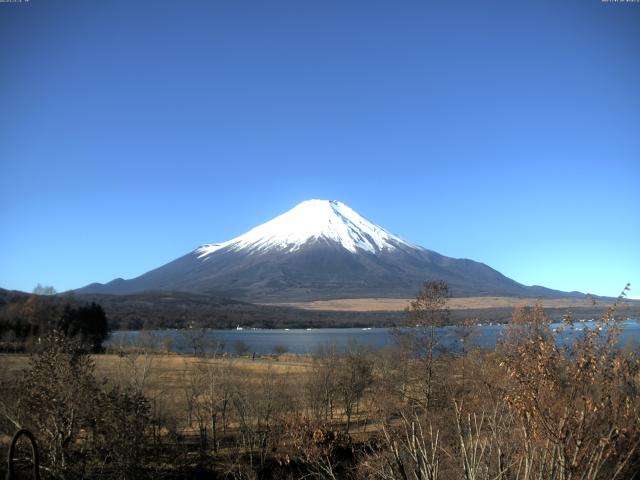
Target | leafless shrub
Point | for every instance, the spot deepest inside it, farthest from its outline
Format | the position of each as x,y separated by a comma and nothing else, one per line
407,452
82,426
120,431
59,392
578,404
316,448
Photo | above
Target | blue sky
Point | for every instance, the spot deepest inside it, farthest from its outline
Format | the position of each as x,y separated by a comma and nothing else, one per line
505,132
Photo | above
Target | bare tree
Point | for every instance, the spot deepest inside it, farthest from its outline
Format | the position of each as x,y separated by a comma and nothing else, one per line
195,337
136,361
40,289
322,382
354,375
464,333
425,314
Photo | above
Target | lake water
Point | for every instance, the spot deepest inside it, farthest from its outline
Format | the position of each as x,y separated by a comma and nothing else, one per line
302,341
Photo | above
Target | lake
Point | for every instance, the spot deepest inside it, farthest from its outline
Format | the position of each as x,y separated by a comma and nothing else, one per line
301,341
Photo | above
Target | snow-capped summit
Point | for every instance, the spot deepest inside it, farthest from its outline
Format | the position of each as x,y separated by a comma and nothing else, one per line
313,220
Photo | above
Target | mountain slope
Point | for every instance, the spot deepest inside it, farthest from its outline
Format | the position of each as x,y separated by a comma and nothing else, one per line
318,250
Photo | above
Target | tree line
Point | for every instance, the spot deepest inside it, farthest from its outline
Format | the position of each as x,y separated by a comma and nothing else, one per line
26,320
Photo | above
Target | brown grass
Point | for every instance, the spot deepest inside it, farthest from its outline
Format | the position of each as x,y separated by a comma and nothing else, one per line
399,304
168,366
166,373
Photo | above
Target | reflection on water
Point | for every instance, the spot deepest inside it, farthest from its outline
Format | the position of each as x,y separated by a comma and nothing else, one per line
305,341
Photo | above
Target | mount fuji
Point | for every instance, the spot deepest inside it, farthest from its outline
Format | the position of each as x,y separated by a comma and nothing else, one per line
318,250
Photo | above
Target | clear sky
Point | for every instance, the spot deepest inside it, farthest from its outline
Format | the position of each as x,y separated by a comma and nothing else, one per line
503,131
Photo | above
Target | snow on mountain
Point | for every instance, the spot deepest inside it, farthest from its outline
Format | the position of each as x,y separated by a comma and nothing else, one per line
319,250
312,220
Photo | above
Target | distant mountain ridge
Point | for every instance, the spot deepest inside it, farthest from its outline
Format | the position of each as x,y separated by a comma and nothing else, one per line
319,250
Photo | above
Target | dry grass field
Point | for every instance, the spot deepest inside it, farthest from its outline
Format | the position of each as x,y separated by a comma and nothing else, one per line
163,376
464,303
166,378
167,368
